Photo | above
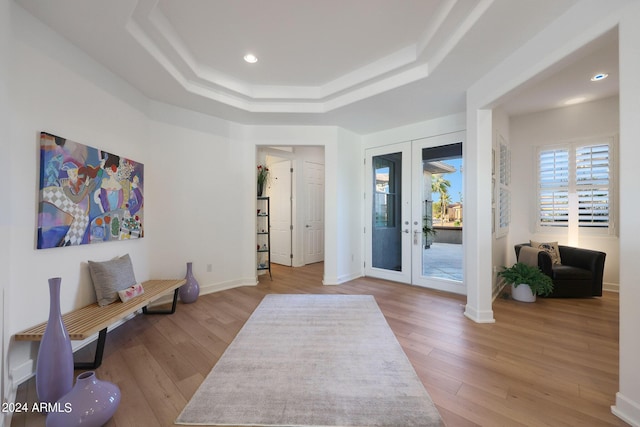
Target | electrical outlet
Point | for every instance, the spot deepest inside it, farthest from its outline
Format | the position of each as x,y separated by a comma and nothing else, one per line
209,268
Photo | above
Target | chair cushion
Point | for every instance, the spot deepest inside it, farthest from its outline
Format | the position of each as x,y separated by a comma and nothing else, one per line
550,247
566,272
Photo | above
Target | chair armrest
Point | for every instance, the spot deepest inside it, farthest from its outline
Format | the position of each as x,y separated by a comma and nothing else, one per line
518,247
545,263
589,260
582,258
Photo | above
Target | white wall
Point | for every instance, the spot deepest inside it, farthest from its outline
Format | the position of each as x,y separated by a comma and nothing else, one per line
425,129
194,203
5,264
528,132
628,398
347,207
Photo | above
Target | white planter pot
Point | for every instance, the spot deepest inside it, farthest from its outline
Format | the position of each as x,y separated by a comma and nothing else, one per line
522,293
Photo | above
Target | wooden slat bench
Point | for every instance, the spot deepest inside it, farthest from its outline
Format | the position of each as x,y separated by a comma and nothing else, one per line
84,322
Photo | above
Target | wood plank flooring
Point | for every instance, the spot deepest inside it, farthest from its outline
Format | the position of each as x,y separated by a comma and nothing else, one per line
551,363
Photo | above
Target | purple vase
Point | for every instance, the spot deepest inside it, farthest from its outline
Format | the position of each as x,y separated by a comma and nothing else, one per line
54,370
189,291
90,403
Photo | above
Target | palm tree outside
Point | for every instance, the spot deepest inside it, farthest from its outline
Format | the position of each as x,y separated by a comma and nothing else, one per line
441,186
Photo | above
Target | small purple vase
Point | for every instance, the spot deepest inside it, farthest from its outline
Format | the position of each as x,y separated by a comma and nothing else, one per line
90,403
54,370
189,291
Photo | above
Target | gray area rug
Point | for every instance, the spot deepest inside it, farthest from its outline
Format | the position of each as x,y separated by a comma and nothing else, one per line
313,360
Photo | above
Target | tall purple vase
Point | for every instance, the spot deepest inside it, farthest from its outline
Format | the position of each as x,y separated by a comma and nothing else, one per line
90,403
189,291
54,370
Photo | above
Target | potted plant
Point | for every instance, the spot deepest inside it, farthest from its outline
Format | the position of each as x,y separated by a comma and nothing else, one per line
263,177
526,281
427,230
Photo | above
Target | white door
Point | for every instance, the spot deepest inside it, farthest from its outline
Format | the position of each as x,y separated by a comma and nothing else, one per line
281,226
313,212
397,189
439,266
388,212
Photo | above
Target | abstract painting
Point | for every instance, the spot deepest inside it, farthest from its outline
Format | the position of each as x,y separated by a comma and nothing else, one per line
87,195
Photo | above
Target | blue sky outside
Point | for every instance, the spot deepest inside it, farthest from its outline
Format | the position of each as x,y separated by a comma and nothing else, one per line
455,178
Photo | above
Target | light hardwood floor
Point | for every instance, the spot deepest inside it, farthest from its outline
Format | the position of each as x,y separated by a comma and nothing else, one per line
551,363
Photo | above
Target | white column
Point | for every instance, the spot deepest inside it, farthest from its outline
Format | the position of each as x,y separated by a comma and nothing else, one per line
627,404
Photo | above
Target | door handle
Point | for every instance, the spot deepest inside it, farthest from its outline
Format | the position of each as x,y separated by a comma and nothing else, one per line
415,236
406,230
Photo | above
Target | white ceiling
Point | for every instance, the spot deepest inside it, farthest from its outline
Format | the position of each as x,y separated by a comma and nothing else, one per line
365,65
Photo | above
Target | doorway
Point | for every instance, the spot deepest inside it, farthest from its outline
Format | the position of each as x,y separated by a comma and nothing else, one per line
413,233
296,189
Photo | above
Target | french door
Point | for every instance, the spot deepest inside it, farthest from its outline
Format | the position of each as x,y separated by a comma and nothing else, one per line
388,210
398,200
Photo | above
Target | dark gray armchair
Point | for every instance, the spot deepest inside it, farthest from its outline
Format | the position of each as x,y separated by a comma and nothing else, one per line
579,275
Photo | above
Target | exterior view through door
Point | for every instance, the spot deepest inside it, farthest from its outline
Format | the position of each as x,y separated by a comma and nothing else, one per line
414,212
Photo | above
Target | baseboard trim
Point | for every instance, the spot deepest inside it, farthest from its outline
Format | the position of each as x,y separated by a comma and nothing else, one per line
212,288
611,287
627,410
338,280
498,290
479,316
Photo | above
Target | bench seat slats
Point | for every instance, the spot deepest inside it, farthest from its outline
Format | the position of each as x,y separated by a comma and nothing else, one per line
88,320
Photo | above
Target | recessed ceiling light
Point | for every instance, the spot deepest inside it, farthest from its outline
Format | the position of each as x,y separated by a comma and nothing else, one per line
250,58
599,76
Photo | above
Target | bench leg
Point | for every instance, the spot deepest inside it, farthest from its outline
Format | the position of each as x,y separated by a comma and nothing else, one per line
97,361
102,336
171,311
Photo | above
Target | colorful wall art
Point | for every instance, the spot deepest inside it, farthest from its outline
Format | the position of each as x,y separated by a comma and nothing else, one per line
87,195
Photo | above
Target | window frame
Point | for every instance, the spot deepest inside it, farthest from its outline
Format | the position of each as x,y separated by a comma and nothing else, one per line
573,206
501,181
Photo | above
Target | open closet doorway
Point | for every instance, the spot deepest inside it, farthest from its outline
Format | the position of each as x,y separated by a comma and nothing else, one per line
296,191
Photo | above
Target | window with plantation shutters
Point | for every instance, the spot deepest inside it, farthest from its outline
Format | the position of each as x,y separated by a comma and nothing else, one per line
554,187
575,185
592,185
504,182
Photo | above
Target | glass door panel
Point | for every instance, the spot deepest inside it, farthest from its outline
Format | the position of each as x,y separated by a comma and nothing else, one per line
437,213
388,207
386,232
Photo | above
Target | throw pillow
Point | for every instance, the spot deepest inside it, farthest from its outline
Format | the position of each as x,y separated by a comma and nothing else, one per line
551,248
112,276
132,292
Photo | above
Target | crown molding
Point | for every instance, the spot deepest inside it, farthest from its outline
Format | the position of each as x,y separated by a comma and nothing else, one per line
154,33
